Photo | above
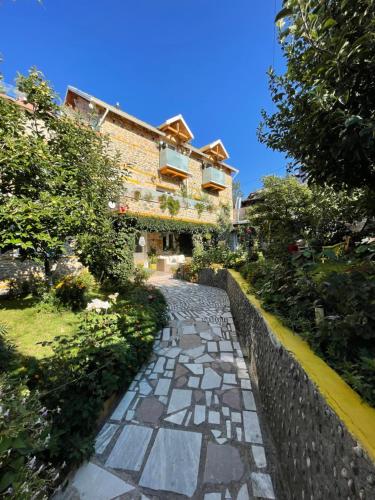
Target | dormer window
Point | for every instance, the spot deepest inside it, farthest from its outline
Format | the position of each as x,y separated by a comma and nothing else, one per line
177,129
216,151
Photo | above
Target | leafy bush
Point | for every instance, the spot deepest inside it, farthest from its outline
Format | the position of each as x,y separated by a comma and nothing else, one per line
216,254
6,349
141,275
73,289
109,253
345,337
348,330
186,272
24,437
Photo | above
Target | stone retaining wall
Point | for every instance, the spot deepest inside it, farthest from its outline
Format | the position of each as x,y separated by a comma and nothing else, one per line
12,267
319,457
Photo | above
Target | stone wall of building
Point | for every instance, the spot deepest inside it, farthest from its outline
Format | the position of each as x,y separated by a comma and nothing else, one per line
320,458
139,151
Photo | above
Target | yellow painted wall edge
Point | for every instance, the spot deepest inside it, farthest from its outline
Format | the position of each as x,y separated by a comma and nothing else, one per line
358,416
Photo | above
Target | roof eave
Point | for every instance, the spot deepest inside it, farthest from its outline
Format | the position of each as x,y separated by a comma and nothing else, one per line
138,122
114,110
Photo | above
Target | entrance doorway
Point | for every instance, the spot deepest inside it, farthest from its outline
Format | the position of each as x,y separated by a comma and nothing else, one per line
185,242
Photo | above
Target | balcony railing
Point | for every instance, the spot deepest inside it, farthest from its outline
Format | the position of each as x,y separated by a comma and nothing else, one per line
213,178
174,163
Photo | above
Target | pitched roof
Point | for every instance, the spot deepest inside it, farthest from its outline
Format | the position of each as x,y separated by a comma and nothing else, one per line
216,148
178,126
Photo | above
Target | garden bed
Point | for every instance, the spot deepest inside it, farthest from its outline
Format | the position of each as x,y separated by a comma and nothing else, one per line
331,305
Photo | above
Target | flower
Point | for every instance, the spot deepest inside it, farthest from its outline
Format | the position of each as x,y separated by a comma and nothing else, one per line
113,297
98,305
123,208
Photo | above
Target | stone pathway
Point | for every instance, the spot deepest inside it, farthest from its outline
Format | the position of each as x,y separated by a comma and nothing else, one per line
188,425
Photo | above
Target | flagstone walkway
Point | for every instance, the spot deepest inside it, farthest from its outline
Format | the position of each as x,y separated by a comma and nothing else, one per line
188,426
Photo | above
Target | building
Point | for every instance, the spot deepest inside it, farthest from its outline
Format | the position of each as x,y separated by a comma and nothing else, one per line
167,178
242,204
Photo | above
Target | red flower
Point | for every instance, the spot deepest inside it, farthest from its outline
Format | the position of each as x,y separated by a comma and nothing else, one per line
123,208
293,248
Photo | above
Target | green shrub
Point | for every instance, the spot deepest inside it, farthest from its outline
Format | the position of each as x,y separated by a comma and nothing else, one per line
86,368
152,256
6,349
109,254
348,331
216,254
345,338
141,275
186,272
73,289
24,438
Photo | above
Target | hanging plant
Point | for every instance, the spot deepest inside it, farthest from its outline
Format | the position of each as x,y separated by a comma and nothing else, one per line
199,207
148,197
173,205
169,203
137,195
163,202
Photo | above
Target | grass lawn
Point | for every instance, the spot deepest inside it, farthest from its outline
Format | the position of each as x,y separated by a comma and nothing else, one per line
28,325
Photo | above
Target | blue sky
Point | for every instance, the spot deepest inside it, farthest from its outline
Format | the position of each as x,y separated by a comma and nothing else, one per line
206,59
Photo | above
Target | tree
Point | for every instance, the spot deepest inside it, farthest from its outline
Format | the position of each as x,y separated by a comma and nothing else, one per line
290,210
280,216
325,101
56,175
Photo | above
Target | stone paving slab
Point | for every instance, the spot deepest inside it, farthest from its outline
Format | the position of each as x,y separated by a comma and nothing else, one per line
188,426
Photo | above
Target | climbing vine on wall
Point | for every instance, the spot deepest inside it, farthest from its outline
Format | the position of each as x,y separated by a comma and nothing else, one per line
148,223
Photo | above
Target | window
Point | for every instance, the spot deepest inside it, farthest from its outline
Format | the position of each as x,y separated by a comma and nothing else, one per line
168,242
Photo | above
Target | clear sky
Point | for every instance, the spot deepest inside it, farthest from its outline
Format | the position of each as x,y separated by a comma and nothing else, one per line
206,59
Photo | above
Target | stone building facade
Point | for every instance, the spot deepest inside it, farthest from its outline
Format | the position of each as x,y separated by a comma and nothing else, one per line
165,176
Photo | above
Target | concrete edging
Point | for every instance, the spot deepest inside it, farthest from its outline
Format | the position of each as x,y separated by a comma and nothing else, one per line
324,434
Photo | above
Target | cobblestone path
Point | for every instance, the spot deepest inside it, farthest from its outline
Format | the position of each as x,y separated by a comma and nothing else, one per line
188,425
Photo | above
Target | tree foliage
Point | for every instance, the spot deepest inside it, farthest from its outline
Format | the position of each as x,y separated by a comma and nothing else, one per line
108,251
56,174
289,210
325,102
